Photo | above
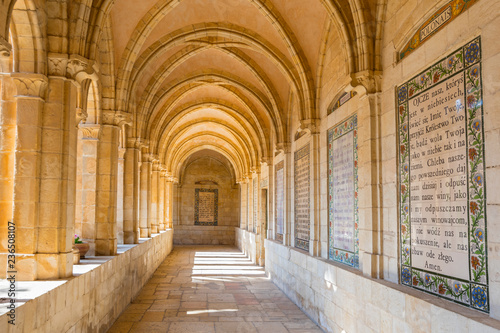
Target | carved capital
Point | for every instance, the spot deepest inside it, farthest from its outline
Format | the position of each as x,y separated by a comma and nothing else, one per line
116,118
79,68
284,147
134,143
90,131
81,116
370,80
266,160
5,48
310,125
254,170
57,64
30,85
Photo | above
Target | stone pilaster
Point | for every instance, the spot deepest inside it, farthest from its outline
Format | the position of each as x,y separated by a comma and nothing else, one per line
289,190
131,193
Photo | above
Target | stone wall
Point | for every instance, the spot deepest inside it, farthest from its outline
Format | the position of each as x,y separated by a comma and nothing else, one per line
209,174
92,301
341,299
203,235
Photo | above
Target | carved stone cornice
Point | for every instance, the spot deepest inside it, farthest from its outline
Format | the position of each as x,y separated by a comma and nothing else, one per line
30,85
90,131
370,80
116,118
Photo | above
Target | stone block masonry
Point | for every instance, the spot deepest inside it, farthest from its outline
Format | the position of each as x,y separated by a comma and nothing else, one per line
92,301
339,298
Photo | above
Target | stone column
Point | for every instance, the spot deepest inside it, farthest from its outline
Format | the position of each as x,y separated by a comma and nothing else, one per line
131,191
144,222
243,203
153,217
107,174
169,201
271,200
20,148
89,143
120,196
161,200
8,126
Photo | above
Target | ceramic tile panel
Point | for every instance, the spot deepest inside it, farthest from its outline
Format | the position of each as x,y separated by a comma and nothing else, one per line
302,197
343,192
442,185
206,206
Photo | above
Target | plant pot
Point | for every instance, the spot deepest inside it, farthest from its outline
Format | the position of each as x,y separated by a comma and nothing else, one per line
83,248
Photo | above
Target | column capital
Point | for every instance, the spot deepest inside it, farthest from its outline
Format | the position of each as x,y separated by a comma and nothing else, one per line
369,80
266,160
116,118
73,67
284,147
312,126
90,131
30,84
121,153
5,51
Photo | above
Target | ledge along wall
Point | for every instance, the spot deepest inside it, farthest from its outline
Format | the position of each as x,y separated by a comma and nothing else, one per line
92,301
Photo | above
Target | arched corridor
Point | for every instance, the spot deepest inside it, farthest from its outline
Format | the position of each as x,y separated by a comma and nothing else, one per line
211,289
350,149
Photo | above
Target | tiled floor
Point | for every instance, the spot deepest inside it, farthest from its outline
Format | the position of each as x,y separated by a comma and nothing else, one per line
211,289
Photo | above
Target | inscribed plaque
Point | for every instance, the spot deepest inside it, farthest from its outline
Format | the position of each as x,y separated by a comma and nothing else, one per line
343,192
280,200
441,166
302,198
205,206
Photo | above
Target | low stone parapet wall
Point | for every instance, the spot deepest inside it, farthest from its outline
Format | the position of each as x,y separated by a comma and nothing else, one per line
94,298
341,299
246,242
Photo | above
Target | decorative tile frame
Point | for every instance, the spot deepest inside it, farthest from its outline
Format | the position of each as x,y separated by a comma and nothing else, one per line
437,21
279,181
197,206
341,100
474,293
350,258
302,181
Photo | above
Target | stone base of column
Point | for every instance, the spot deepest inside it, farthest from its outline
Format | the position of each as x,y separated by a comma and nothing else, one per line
161,227
106,247
39,266
130,237
154,229
145,233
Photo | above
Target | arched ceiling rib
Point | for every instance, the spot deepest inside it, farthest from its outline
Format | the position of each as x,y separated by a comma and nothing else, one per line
235,64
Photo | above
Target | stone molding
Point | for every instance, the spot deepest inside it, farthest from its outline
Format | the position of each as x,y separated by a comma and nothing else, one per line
90,131
30,84
116,118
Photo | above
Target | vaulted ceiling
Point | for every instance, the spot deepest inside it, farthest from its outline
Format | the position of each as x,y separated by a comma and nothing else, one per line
222,75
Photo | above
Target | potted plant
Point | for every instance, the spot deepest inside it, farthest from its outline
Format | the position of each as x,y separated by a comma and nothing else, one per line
81,246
